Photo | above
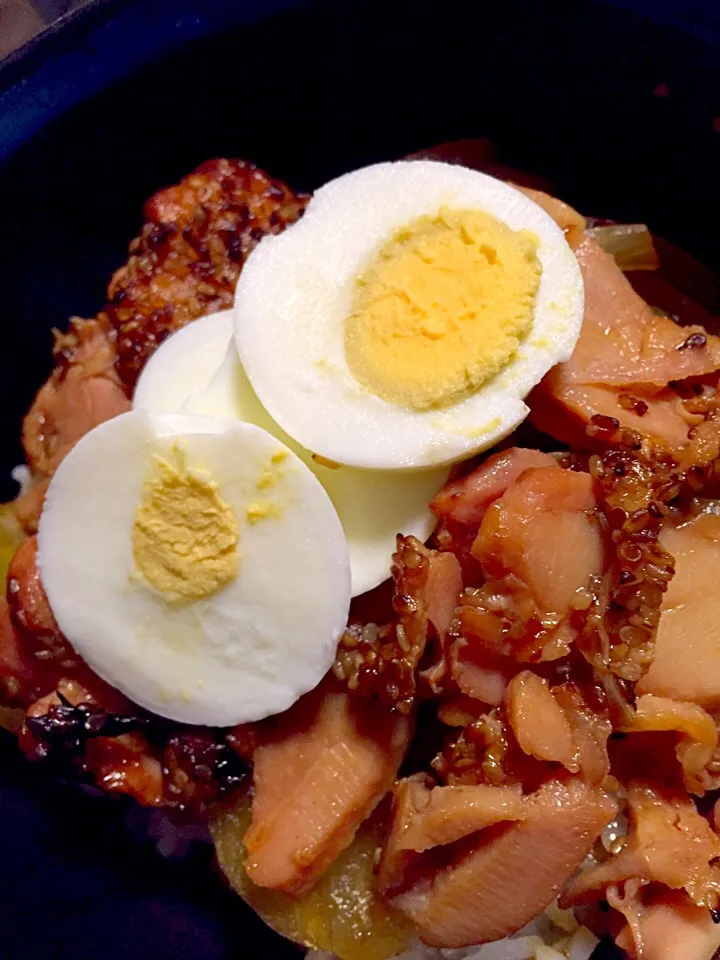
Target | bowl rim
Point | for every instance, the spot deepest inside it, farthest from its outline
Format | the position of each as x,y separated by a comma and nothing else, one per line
95,46
65,20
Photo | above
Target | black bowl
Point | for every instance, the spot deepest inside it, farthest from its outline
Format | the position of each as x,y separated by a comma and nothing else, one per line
618,106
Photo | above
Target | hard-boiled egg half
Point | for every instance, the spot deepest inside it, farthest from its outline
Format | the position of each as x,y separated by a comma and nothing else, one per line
197,370
401,322
196,564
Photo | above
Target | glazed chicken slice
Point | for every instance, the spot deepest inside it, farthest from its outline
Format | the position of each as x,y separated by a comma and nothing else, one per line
320,769
490,884
624,363
687,659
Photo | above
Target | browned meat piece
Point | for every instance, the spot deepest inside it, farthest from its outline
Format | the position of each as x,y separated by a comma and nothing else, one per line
26,595
70,725
33,653
694,731
21,677
539,723
382,661
670,844
184,264
186,261
669,926
623,366
493,883
200,767
319,770
95,727
83,391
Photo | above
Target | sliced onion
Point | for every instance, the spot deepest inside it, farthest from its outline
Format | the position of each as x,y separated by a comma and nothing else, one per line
631,245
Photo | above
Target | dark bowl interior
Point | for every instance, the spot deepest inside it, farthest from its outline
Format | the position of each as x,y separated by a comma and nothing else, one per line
617,106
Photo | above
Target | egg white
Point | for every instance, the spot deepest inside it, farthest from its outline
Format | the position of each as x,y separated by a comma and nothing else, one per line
246,652
183,366
197,370
297,288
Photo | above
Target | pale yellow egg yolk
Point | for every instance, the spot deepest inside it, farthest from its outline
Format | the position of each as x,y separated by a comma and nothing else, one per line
185,537
442,308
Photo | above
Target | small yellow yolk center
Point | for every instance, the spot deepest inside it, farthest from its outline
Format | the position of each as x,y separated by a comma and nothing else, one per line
442,308
185,536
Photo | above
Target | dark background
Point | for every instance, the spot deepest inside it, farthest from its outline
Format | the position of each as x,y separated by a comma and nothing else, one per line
617,104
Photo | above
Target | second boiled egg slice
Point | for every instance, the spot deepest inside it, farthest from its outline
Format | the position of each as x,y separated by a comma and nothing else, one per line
403,320
196,565
197,370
